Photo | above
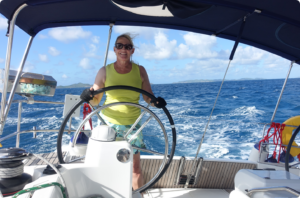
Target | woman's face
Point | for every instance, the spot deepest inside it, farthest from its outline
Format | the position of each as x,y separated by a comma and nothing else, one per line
123,54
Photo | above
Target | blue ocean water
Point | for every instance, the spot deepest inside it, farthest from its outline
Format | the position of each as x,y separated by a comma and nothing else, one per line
233,130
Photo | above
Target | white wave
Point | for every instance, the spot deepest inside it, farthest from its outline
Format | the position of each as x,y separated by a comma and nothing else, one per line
30,109
247,111
234,97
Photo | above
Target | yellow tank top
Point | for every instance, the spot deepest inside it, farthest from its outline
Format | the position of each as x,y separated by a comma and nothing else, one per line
122,114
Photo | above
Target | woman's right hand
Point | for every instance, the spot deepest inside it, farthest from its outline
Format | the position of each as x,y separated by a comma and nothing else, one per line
87,94
160,102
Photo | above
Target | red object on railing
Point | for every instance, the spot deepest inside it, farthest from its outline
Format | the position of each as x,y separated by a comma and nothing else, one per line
86,111
277,138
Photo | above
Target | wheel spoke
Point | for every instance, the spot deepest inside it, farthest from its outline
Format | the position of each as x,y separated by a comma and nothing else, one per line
148,151
140,129
100,118
135,123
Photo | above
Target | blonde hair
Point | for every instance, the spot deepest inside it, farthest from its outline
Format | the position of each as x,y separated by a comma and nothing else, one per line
128,36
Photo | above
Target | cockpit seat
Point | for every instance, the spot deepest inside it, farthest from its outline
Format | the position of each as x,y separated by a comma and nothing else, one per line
267,180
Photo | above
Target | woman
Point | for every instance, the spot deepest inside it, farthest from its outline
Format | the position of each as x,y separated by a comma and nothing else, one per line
121,117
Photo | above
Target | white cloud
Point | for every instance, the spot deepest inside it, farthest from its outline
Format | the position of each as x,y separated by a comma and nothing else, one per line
248,55
60,63
95,39
64,76
162,49
53,51
29,66
3,23
92,52
111,55
272,61
85,63
1,60
42,36
197,46
43,57
145,32
67,34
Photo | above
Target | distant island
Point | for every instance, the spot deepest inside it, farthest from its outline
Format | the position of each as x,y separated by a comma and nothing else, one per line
216,80
77,85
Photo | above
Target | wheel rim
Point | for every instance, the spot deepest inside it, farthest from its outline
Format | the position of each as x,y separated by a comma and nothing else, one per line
288,149
166,163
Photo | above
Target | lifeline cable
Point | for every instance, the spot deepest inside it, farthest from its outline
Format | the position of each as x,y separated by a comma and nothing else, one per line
237,41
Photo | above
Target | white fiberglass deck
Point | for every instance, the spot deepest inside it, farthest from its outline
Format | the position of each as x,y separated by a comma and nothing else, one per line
186,193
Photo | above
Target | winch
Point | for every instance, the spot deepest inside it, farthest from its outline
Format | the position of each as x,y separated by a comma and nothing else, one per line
12,176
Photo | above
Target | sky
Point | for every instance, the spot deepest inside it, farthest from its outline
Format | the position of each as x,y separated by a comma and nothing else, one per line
75,54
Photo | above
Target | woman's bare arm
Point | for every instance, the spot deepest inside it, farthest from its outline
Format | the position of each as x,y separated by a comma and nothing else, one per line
98,84
145,84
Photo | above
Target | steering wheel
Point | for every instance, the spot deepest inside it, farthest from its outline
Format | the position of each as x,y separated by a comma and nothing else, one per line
288,149
167,157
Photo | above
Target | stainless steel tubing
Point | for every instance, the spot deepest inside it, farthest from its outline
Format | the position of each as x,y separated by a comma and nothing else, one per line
260,150
17,79
140,129
194,161
135,123
148,151
39,101
7,63
19,125
198,171
281,145
277,188
36,131
180,169
98,115
108,41
70,125
283,87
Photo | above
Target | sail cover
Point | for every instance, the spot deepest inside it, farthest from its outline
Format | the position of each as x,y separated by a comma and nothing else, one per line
271,25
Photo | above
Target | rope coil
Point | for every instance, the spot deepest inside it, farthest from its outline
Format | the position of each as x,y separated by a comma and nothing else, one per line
277,138
10,172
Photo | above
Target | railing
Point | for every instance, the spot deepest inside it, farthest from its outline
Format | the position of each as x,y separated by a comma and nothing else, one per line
34,131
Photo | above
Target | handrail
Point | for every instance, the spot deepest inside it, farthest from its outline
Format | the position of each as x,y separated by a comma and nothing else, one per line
276,188
35,131
266,143
39,101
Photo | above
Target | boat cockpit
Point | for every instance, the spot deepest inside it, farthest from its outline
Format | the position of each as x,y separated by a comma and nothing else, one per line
96,163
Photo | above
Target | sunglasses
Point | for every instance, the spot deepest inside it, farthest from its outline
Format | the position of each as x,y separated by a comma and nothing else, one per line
120,46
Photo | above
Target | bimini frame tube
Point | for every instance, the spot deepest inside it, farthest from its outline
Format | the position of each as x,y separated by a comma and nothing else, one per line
108,41
282,89
7,64
189,176
12,93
